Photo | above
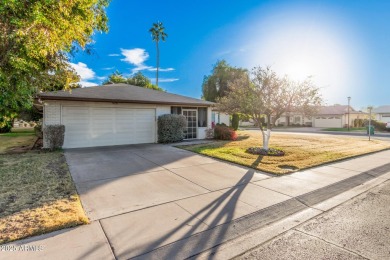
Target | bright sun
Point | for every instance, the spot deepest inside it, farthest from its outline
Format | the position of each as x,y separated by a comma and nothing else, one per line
299,44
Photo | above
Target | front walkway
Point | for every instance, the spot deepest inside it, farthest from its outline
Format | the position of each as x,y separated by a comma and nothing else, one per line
157,201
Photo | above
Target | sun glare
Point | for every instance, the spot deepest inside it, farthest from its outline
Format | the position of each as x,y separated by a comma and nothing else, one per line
299,44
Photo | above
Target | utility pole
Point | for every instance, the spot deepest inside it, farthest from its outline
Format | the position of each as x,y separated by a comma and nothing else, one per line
349,101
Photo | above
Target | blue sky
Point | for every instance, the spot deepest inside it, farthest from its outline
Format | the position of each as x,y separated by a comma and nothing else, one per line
343,44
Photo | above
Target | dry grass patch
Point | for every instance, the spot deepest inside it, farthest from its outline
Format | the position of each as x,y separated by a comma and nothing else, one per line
302,151
37,195
16,140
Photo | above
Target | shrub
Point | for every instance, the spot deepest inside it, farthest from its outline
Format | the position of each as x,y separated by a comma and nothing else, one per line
38,130
379,126
5,125
235,121
171,128
358,122
53,136
262,151
222,132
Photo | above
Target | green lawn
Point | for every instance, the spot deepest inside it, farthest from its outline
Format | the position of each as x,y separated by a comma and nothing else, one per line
16,140
360,129
302,151
37,195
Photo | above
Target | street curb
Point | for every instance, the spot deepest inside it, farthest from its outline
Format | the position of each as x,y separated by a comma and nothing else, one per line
209,243
253,239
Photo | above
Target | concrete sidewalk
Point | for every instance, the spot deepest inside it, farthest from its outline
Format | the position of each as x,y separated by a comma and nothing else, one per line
357,229
221,205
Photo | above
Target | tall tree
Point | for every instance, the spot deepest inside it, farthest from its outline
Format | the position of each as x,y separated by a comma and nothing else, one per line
266,94
158,33
216,85
37,39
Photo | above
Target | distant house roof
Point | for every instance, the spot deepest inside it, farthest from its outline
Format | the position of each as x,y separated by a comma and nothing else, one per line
336,110
381,109
123,93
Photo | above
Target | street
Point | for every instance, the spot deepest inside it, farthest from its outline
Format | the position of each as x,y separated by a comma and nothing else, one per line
356,229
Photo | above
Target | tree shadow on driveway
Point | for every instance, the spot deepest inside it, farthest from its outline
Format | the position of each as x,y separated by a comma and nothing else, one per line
225,205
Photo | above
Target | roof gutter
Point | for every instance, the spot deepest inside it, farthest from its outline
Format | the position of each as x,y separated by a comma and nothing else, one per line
122,101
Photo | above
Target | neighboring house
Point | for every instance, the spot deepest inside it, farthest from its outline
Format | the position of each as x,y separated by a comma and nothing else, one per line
220,118
120,114
382,113
247,122
328,116
337,116
294,119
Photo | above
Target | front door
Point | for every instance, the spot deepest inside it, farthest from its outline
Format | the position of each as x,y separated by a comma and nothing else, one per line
191,116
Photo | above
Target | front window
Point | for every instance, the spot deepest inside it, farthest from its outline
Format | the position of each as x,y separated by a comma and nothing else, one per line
176,110
202,117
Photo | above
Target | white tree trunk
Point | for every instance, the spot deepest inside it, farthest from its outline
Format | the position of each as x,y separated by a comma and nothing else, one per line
266,137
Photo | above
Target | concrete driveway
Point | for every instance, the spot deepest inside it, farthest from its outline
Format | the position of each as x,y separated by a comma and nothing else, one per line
154,194
160,202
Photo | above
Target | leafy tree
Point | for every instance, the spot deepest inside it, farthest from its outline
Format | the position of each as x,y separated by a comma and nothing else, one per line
115,77
158,33
216,85
137,79
266,94
37,39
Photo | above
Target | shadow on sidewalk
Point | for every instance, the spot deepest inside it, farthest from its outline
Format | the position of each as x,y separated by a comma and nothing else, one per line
227,200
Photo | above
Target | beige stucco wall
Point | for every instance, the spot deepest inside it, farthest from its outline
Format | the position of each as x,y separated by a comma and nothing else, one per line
53,111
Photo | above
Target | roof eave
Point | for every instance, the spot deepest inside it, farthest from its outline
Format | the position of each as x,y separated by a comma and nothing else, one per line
124,101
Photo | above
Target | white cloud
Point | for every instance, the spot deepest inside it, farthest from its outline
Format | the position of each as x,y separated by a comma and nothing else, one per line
86,84
86,74
136,56
164,79
139,68
114,55
161,69
83,71
108,68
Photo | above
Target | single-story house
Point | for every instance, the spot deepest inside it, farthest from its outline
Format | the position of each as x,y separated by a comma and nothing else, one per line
120,114
328,116
382,113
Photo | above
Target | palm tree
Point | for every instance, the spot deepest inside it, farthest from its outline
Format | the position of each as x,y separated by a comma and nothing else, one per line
158,33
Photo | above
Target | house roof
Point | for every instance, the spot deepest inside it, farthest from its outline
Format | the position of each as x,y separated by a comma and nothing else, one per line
336,110
381,109
123,93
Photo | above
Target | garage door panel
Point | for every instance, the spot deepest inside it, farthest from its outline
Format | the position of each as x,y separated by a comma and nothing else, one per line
328,122
95,126
144,120
76,127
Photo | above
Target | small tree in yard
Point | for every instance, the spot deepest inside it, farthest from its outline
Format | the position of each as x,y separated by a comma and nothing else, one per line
263,93
235,121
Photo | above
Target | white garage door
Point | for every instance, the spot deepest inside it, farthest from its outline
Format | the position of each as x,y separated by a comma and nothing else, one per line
98,126
385,119
328,122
